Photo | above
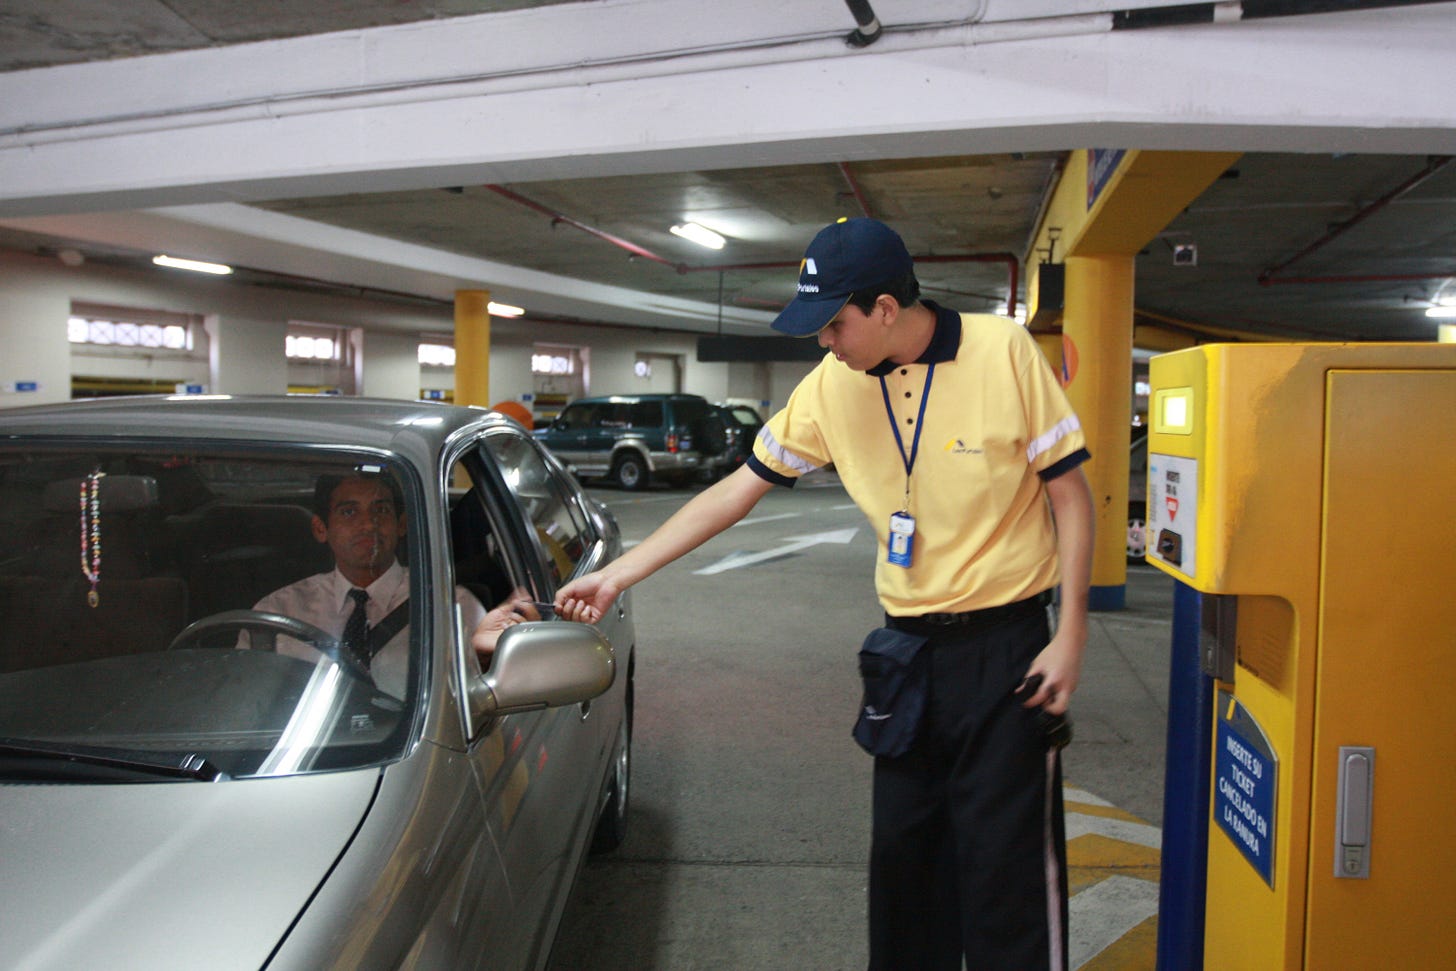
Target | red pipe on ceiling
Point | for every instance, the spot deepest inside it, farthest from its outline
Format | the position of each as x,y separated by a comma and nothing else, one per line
1013,269
1433,165
557,217
855,190
1355,278
1013,265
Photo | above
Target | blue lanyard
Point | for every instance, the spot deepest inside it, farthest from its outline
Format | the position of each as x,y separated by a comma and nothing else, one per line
919,425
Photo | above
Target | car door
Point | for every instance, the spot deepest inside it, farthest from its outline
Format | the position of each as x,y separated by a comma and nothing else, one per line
539,772
567,436
609,423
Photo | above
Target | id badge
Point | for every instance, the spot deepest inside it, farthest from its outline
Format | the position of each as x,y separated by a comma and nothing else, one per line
902,539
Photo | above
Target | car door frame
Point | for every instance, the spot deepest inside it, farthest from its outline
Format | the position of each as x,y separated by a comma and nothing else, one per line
537,761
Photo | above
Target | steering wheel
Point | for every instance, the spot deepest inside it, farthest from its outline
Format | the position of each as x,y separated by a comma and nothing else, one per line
320,640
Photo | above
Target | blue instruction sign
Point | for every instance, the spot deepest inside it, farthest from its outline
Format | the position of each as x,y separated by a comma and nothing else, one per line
1101,163
1244,780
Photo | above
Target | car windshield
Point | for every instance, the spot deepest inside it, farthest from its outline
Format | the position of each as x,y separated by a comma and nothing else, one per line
183,613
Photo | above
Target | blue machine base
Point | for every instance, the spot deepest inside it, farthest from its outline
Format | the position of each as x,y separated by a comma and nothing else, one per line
1108,598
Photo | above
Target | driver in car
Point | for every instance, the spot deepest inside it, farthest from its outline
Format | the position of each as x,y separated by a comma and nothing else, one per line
364,599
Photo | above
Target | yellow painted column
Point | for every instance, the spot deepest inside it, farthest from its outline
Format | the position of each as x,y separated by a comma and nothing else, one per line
1097,369
1105,208
1051,348
472,347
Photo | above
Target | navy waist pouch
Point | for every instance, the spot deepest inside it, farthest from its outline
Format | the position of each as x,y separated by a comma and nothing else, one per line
896,681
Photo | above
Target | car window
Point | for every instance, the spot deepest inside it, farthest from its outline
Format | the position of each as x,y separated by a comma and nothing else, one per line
645,414
614,414
688,410
578,417
562,527
479,551
747,416
174,604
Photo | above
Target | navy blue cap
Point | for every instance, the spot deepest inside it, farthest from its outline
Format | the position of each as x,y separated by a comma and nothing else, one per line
844,257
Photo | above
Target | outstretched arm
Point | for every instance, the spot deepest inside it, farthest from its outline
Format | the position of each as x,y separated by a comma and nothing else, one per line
1060,663
705,516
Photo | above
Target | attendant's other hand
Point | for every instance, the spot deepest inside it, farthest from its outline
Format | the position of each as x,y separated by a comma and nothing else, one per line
1060,667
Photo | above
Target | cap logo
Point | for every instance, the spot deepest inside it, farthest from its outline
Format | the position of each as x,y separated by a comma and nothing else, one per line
807,267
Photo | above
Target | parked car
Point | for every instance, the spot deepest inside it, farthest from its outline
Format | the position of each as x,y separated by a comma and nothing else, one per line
742,424
1137,495
634,439
176,796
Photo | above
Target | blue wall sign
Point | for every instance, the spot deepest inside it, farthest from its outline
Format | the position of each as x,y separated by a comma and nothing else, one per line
1101,163
1245,773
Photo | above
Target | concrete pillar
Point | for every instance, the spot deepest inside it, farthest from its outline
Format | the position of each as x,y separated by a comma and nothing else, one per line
246,356
391,366
1097,369
472,347
35,355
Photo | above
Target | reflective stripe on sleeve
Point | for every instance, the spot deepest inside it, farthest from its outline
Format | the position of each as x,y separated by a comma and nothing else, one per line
1046,440
782,455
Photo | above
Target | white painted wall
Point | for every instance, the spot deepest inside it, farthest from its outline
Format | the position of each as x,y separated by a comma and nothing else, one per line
246,327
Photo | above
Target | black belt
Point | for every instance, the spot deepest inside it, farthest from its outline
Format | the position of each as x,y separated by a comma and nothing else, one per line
986,617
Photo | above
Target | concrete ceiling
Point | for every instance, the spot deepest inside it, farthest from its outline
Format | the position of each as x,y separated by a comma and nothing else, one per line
1295,245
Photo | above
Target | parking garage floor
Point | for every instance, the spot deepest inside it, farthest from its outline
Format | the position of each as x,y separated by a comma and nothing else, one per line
750,807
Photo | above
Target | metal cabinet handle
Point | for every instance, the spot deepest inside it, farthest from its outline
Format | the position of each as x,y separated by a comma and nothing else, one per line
1354,812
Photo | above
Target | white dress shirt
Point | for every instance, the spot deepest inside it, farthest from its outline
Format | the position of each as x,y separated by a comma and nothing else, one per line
323,600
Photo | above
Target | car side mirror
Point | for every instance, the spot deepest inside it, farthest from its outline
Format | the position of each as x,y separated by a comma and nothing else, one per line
543,664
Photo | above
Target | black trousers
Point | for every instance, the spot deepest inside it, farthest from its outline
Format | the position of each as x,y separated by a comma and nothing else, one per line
968,853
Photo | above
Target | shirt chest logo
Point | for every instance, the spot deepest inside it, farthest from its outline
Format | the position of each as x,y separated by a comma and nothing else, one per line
957,447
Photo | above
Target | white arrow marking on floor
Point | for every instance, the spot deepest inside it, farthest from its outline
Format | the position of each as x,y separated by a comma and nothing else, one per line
1080,824
755,520
1100,915
793,544
1071,794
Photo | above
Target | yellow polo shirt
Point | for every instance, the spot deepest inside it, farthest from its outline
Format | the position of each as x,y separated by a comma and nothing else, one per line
996,424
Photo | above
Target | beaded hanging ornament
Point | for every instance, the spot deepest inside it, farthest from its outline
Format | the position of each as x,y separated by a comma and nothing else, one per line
91,533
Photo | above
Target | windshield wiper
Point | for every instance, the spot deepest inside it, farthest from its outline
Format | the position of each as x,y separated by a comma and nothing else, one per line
190,766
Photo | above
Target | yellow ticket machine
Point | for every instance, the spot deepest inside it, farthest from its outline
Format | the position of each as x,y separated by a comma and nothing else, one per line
1308,492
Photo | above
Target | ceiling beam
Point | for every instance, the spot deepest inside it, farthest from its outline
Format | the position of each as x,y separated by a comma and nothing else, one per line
621,87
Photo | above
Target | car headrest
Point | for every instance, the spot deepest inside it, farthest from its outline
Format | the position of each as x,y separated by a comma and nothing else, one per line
118,493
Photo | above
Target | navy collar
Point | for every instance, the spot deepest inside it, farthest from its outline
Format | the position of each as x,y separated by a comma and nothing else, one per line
943,343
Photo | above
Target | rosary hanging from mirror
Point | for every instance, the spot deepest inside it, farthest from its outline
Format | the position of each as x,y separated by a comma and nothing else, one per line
91,533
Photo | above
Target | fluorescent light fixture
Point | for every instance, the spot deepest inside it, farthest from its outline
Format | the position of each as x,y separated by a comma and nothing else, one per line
701,235
197,266
503,310
1443,311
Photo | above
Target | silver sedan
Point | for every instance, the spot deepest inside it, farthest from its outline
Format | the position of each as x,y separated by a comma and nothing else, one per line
208,761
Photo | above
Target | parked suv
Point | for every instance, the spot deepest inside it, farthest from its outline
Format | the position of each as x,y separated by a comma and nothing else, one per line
633,439
742,424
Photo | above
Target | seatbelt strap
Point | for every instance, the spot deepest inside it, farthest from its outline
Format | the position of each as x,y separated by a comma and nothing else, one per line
383,632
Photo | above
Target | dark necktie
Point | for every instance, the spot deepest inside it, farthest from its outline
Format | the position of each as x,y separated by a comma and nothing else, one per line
356,631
